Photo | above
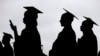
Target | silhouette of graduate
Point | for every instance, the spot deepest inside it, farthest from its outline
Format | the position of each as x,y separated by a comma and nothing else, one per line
29,43
88,43
7,49
65,44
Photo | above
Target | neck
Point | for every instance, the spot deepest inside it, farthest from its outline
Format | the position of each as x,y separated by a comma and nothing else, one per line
31,26
8,44
87,31
68,26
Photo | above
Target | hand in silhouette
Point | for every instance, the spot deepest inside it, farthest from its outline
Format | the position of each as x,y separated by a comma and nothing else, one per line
13,27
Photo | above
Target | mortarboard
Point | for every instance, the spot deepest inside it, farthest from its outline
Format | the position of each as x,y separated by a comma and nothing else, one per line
8,35
70,13
33,9
90,21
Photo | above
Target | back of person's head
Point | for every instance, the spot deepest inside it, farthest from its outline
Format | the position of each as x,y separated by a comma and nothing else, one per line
6,38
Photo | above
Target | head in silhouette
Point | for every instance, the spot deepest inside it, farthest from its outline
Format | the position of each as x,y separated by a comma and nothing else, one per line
87,24
31,16
66,18
6,38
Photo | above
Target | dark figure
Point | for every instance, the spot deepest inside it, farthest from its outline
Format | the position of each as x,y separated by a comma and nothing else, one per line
99,53
65,44
1,49
88,43
29,43
7,49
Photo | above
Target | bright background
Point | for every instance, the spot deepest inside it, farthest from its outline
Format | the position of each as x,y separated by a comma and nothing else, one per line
48,22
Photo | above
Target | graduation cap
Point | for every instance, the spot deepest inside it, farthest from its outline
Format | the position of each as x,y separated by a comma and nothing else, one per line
70,13
90,21
8,35
33,9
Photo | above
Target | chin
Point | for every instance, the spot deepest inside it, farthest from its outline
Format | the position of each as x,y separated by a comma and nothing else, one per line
62,25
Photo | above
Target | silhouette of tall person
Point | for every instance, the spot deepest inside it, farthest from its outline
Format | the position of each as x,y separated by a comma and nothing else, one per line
88,43
7,49
65,44
29,43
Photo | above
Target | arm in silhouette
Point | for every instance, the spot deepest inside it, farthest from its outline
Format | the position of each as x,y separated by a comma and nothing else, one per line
14,28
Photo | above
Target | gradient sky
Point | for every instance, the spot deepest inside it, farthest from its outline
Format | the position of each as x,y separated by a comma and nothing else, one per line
48,22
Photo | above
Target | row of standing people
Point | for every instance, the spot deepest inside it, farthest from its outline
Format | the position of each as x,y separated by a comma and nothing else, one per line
66,45
29,43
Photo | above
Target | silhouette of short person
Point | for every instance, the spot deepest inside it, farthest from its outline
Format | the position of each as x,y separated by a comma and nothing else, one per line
29,43
88,43
7,49
65,44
